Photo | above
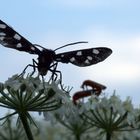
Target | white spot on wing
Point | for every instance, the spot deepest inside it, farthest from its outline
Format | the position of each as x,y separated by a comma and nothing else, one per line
2,38
89,58
17,37
62,55
2,26
72,59
2,34
58,59
5,44
32,48
19,45
95,51
79,53
87,61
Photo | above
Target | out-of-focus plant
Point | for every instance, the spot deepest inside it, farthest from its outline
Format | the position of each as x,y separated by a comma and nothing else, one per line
10,131
77,127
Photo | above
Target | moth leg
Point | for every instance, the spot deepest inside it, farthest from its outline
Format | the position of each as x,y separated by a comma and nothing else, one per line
67,89
55,73
53,70
60,82
34,66
59,72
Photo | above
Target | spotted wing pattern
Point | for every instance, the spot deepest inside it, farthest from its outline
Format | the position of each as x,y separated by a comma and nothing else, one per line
85,57
11,39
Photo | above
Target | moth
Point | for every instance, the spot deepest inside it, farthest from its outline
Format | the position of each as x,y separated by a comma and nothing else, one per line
48,59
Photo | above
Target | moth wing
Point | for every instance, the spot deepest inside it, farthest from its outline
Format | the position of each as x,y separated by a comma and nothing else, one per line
84,57
11,39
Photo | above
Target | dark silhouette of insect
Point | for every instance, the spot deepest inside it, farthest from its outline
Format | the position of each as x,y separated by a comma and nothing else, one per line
94,85
47,58
81,94
96,89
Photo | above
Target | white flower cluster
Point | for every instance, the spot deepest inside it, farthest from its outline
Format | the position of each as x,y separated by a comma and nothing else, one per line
118,107
106,114
100,115
32,94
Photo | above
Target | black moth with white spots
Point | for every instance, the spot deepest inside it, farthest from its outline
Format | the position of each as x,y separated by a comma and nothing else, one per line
48,59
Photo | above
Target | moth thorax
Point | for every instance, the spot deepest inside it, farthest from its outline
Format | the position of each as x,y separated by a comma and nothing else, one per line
42,71
45,59
46,55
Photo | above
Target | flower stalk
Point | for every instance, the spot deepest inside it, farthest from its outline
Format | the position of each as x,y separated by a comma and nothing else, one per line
26,126
108,136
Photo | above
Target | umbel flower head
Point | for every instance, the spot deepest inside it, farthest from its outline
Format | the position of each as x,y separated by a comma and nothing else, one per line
29,94
111,115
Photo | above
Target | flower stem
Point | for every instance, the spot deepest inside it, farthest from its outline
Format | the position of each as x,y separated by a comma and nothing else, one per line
108,136
77,137
26,126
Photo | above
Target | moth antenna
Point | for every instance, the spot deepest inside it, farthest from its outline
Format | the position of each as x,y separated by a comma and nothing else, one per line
39,46
71,44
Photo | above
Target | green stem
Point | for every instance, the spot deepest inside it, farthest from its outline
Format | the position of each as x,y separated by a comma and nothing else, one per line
10,129
108,136
77,137
26,126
